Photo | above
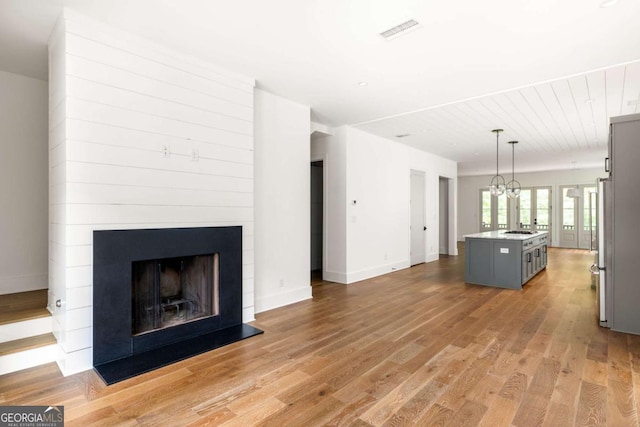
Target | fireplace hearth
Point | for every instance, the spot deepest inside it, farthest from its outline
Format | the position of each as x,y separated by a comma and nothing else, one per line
163,295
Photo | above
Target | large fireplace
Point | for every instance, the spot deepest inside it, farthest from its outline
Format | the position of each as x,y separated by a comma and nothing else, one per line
162,295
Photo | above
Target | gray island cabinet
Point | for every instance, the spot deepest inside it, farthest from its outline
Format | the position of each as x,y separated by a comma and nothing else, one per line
504,259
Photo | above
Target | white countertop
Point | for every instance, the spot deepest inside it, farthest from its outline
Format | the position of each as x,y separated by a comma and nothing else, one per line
500,234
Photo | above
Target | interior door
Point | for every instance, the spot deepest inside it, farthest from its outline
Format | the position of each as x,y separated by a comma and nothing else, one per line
418,226
443,217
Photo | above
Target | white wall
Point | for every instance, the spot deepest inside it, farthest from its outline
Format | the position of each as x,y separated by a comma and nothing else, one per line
23,183
436,167
375,173
282,201
115,101
469,194
378,181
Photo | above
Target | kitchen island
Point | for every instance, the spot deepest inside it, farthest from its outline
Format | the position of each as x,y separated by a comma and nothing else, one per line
505,259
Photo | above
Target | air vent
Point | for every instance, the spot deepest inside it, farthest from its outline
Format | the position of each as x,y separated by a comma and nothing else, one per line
633,102
403,135
401,29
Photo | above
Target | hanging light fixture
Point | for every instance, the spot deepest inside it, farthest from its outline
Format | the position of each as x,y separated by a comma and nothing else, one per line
497,185
575,191
513,186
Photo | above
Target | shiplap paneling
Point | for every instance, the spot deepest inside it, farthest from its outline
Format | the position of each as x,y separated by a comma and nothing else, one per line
83,131
122,101
555,122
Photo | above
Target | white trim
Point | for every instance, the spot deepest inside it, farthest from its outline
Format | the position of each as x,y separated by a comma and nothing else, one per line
285,298
377,271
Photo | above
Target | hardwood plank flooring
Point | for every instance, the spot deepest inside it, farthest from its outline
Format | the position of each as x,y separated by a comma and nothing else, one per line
414,347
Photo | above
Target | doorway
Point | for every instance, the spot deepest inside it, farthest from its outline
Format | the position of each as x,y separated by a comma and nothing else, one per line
317,208
577,229
443,199
534,209
418,226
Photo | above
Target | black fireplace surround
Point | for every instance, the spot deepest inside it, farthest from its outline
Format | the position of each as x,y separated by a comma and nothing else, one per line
118,354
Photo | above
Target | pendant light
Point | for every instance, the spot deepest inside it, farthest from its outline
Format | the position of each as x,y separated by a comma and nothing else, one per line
513,186
575,191
497,185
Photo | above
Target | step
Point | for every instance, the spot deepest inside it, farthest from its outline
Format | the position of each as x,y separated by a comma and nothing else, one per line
23,301
27,352
26,326
23,315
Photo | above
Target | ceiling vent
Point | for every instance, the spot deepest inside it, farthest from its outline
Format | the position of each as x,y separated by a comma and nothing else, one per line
400,30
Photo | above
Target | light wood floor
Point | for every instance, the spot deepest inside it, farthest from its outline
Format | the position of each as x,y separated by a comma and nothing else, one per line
415,347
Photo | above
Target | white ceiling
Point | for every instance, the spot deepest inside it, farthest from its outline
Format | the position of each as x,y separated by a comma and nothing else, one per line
527,66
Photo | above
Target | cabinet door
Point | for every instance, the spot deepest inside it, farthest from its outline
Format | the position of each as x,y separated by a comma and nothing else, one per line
527,265
537,258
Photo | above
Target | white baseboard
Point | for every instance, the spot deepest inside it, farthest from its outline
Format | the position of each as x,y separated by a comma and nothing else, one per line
282,299
376,271
333,276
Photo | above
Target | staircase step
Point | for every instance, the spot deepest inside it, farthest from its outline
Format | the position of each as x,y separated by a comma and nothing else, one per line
26,343
25,332
23,301
22,315
27,353
26,328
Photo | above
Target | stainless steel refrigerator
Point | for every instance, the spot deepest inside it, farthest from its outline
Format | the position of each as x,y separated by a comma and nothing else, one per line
616,264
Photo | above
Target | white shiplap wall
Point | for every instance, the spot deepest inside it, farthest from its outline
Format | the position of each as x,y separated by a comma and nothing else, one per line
116,101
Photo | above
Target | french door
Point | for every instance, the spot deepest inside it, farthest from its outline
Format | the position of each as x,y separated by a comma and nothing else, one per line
494,211
533,209
578,226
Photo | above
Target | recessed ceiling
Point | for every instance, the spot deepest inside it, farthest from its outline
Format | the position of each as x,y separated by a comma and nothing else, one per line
317,51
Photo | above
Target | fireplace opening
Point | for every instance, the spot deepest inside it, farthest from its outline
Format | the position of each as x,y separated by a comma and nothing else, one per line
173,291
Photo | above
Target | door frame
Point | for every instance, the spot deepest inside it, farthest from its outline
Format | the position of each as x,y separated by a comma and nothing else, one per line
325,180
421,228
562,242
494,212
534,207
